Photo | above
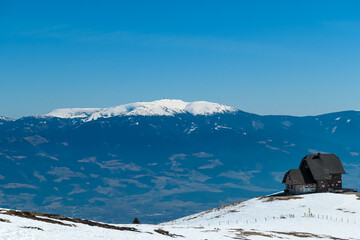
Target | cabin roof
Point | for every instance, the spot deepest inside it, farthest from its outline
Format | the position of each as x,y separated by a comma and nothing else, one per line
322,165
295,176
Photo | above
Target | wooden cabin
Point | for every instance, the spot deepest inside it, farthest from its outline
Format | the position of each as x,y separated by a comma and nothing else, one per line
317,173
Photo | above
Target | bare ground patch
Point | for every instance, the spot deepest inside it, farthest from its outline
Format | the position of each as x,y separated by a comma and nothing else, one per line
354,193
167,233
344,210
307,235
233,211
242,234
34,216
212,230
35,228
4,220
276,198
56,219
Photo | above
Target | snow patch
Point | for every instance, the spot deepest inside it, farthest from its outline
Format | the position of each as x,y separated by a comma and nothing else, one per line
334,129
257,125
222,127
286,123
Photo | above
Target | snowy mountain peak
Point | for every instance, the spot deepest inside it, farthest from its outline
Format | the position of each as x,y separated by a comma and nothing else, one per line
73,112
164,107
5,118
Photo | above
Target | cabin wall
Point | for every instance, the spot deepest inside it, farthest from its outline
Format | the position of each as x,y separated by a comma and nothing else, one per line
307,188
335,182
322,186
299,189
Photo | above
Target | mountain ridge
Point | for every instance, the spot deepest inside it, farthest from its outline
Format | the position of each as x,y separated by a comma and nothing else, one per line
164,107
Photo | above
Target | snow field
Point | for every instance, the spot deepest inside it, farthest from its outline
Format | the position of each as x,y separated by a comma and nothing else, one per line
332,216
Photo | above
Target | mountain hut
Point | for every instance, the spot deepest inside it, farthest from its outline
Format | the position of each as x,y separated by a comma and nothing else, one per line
317,173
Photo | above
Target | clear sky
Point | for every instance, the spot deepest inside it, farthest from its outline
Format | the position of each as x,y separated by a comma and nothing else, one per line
266,57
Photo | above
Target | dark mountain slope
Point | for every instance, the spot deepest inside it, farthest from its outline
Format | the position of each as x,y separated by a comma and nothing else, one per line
161,167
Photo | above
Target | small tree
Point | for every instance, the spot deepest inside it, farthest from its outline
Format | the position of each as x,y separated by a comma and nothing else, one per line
136,221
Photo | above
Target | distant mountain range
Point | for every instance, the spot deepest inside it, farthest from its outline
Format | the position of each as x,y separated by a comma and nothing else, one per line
160,160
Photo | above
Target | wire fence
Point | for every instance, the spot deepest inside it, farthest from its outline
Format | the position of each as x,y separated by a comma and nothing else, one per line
282,217
331,218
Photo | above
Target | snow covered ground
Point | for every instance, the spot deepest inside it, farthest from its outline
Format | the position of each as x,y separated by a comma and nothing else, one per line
322,214
332,216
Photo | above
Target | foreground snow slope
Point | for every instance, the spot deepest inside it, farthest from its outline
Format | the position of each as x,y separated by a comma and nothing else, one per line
333,216
164,107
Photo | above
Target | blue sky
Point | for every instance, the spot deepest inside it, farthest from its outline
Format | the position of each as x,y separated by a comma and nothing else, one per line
266,57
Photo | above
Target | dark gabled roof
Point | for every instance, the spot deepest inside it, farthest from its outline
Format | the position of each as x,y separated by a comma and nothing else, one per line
295,176
322,165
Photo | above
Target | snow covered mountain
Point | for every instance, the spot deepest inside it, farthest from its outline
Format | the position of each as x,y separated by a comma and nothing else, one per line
312,216
164,107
